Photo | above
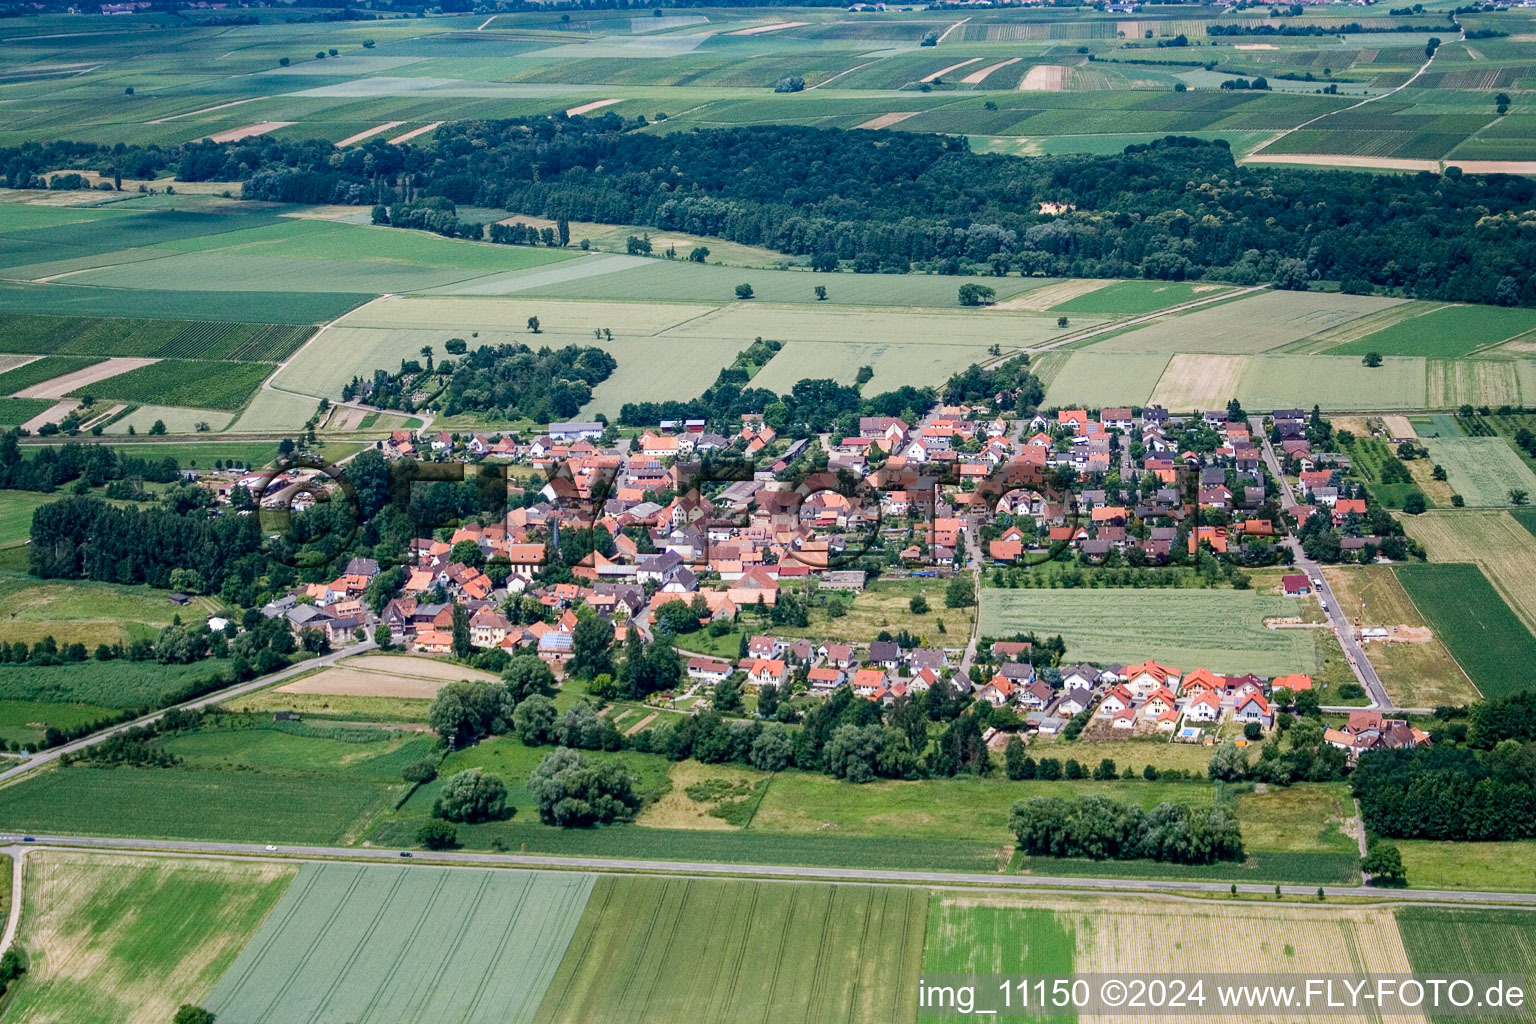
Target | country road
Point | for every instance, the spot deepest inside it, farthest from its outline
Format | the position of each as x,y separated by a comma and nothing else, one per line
53,754
1364,671
182,848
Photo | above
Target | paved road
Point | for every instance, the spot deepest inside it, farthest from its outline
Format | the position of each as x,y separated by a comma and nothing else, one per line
1364,671
51,755
167,847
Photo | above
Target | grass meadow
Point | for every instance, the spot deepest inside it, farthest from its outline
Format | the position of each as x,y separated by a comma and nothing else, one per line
1499,867
1489,642
405,943
114,937
670,949
1483,470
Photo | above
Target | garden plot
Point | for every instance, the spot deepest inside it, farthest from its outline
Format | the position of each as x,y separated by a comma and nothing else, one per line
1483,470
127,939
404,944
1253,324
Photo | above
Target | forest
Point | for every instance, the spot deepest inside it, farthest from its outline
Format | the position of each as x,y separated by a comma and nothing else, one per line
1449,792
1176,208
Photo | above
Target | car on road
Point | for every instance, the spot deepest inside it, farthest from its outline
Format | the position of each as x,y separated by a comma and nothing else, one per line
405,853
1317,581
1324,604
29,839
271,849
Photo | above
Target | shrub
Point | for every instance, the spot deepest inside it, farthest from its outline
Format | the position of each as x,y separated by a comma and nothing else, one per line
470,796
437,835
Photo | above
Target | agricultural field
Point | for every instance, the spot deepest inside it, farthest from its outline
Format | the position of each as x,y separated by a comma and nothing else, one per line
1448,864
115,684
186,382
1249,325
80,336
81,611
1497,541
405,944
1120,935
38,371
1483,470
114,937
1222,630
1486,638
385,675
886,605
764,950
1446,332
1127,298
1413,663
1452,940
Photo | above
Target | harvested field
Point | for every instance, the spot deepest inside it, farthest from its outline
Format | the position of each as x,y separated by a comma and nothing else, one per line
935,76
1399,426
757,30
1386,163
1052,295
1044,78
586,108
404,944
69,383
886,120
1196,382
126,939
1255,323
414,132
977,77
369,133
249,131
384,676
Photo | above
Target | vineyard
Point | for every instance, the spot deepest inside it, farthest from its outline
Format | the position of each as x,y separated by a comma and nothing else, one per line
189,382
40,370
170,339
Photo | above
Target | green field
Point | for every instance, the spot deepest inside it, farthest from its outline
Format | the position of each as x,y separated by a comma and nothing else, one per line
1483,470
1448,941
25,721
115,684
16,508
119,939
1492,646
16,411
1451,864
1449,331
254,307
1130,297
403,944
180,339
186,382
1253,324
82,611
1222,630
665,950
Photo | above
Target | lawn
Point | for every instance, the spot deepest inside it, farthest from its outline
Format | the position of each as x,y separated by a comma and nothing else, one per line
1447,332
199,383
1493,646
1483,470
664,950
1222,630
185,803
16,508
1417,674
123,939
404,944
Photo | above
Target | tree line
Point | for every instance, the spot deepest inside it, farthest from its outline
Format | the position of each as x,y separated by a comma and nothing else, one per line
1175,208
1100,828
